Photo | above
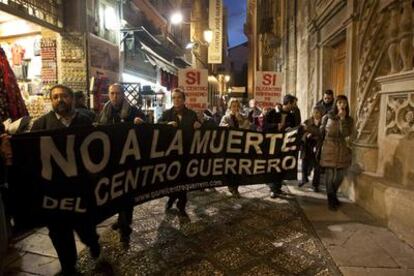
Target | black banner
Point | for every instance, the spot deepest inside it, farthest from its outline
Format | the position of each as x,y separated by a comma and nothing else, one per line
94,172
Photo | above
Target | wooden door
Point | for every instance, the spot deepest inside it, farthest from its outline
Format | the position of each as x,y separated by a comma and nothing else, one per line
338,67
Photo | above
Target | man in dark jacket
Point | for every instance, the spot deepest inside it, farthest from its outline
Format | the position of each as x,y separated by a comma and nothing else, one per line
80,105
63,115
327,101
182,117
278,120
118,110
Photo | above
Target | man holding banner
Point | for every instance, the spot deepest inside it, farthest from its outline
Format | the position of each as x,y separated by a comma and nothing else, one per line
279,121
64,116
182,117
118,110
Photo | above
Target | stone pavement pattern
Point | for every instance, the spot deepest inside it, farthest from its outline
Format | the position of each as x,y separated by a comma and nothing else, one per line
254,235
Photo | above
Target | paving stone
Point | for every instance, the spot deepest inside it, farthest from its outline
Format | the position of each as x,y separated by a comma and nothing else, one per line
197,268
361,250
357,271
35,264
232,258
37,243
262,270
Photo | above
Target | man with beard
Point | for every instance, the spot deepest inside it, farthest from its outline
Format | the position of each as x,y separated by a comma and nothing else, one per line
61,233
118,110
326,104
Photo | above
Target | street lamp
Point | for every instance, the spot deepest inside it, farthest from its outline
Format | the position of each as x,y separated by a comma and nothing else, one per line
176,18
208,36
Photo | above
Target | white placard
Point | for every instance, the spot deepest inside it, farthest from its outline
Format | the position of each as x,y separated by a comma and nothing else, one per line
268,88
195,84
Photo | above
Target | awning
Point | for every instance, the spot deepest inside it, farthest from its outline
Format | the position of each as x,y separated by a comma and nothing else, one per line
153,57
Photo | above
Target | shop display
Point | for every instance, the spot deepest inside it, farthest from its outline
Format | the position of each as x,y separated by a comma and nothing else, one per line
11,101
49,65
73,62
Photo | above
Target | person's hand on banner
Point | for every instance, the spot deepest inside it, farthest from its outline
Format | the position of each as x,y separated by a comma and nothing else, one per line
172,123
196,125
138,121
6,149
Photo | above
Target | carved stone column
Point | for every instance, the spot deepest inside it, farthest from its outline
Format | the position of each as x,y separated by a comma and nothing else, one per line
406,33
393,49
396,126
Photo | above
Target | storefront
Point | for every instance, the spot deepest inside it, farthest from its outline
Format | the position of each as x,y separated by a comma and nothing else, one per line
28,37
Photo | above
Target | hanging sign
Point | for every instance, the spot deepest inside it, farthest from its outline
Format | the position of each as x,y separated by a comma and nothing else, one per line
215,23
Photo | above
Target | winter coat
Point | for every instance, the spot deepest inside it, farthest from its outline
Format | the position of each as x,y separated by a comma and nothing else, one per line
334,152
189,117
227,121
274,117
314,141
127,113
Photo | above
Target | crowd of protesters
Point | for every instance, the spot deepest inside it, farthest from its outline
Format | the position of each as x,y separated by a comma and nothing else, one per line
323,148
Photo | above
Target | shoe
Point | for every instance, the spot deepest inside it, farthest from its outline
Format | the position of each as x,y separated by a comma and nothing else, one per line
273,195
125,239
316,189
168,205
332,208
183,213
337,202
115,226
68,272
301,184
236,194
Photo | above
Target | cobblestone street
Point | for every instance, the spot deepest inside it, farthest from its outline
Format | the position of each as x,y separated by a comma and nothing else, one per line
222,236
253,235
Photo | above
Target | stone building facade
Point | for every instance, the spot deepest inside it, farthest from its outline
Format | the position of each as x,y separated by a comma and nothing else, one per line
362,49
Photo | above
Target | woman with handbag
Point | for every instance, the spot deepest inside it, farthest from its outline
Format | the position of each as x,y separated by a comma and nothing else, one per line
336,156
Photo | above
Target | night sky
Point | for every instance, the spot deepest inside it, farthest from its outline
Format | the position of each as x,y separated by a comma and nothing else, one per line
236,10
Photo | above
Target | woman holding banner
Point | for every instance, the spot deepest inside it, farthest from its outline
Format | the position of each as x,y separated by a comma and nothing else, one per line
234,119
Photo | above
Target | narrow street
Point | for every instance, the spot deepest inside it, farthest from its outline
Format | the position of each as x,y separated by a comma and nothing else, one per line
253,235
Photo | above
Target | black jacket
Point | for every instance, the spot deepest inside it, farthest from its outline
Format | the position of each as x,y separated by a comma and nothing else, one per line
49,121
187,121
274,117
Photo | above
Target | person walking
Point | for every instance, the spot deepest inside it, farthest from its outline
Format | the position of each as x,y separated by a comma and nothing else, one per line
118,110
311,142
336,156
186,119
63,115
278,120
234,119
327,101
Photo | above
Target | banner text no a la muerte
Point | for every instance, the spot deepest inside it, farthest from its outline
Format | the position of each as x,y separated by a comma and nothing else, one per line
95,172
